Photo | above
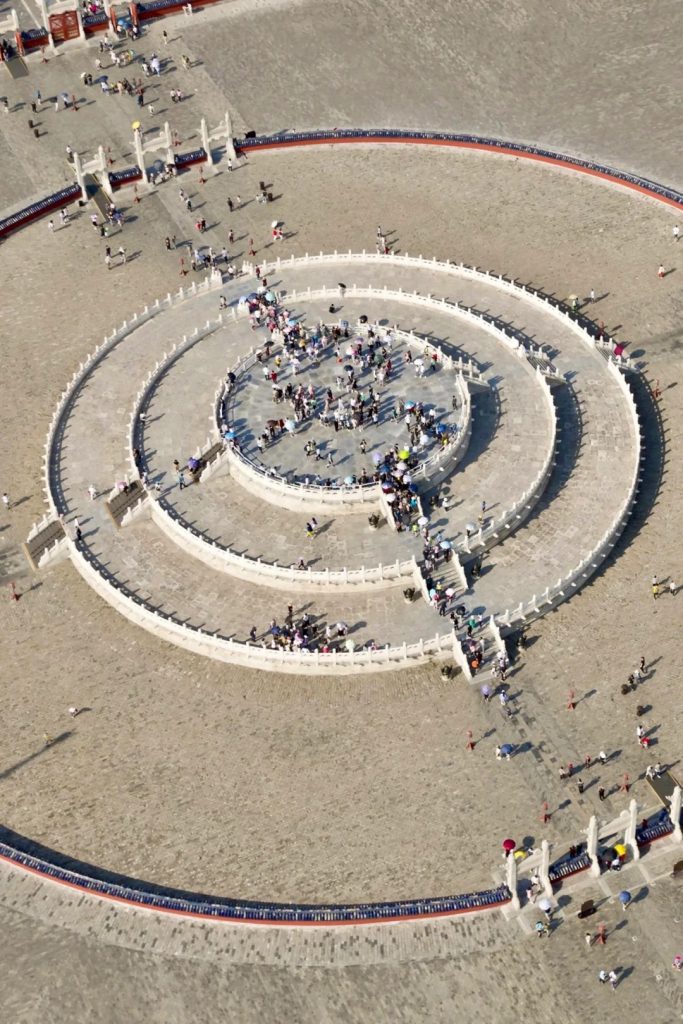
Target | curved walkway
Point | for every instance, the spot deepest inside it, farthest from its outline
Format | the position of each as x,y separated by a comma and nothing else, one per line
604,461
159,573
225,512
651,189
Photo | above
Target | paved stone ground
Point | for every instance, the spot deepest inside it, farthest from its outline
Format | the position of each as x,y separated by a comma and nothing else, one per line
405,972
510,416
347,788
601,458
253,405
167,578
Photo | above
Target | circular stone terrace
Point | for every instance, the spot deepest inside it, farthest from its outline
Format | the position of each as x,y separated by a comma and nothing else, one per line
338,445
508,518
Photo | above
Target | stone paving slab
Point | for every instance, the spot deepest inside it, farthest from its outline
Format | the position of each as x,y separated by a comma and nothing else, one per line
392,617
207,772
513,415
165,576
208,955
552,544
250,404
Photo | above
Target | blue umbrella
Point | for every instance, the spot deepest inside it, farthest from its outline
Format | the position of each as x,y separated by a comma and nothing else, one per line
507,748
441,428
348,480
409,405
229,434
252,296
624,897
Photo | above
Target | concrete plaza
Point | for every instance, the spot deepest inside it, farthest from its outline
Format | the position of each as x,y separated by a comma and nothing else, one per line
206,776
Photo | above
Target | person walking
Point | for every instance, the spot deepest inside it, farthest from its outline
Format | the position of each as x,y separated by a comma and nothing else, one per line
181,480
675,232
603,977
6,502
613,980
661,273
231,205
601,793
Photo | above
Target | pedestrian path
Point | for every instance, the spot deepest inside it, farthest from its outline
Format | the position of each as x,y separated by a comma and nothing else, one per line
221,942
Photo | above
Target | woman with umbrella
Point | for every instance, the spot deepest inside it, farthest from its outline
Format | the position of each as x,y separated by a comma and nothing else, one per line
625,899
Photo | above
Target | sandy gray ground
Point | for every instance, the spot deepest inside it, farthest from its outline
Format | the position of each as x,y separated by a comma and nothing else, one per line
195,774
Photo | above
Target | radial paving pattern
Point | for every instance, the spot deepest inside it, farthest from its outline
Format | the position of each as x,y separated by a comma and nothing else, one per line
213,575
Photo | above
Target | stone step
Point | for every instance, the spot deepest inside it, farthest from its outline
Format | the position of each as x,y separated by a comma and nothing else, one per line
43,542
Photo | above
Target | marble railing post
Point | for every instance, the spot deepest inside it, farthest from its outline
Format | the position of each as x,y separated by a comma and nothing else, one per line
229,137
206,141
78,168
544,869
511,880
592,846
675,814
630,830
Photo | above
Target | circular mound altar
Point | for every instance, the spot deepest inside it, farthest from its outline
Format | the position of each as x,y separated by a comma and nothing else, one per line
371,444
